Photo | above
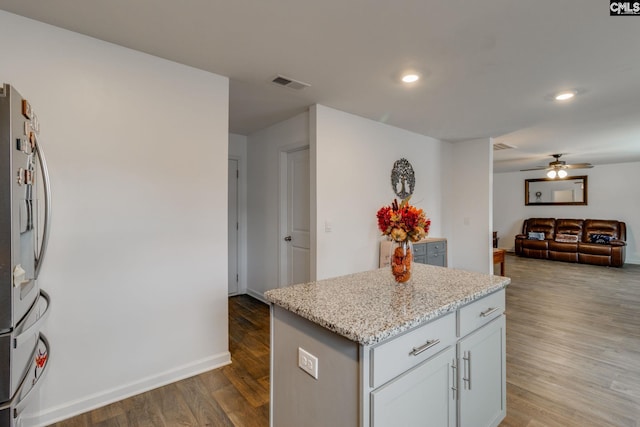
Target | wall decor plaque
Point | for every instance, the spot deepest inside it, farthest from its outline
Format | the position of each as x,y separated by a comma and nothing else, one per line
403,180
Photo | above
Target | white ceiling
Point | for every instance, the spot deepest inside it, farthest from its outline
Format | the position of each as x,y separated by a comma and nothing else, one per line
489,67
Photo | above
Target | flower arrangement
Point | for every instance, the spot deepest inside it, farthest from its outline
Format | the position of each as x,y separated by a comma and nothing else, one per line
403,222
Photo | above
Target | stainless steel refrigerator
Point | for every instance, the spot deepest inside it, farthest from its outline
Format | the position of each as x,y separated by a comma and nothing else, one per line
24,232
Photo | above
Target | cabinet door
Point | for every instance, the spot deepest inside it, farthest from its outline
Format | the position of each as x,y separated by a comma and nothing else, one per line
482,363
437,253
422,396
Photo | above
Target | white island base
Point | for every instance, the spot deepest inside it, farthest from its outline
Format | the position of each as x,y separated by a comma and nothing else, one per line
391,368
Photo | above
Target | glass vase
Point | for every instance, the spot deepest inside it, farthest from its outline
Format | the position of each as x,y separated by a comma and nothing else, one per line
401,258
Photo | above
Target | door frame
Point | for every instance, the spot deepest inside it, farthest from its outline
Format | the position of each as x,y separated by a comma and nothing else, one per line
242,222
234,256
282,209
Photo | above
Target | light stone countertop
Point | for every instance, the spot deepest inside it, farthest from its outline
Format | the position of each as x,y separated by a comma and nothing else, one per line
369,307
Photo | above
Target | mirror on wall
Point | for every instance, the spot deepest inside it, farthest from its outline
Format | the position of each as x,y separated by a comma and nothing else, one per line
571,190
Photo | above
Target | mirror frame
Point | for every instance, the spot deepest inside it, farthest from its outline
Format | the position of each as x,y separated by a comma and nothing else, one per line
526,191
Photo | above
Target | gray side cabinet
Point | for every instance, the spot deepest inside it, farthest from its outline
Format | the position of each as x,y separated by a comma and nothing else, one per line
431,251
449,372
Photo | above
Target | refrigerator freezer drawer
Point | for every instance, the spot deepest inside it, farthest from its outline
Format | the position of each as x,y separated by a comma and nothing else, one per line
18,346
11,412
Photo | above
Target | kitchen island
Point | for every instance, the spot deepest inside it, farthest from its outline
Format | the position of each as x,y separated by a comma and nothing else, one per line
361,350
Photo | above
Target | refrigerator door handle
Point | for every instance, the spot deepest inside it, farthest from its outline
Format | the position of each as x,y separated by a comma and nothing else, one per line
24,398
47,208
28,333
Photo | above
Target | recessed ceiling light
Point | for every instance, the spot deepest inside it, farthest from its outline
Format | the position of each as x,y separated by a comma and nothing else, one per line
410,78
564,96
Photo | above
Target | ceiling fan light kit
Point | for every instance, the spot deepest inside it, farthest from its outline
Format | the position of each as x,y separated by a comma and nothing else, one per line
557,168
561,173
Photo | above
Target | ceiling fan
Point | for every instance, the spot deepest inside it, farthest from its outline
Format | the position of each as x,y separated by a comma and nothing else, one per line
557,167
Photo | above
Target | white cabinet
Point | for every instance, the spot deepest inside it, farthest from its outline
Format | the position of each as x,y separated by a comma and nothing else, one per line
460,382
481,357
422,396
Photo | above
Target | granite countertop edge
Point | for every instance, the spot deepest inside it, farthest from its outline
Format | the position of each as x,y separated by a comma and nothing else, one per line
368,338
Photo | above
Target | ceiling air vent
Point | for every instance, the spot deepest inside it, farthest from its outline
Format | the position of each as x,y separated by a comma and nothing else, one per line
501,146
290,83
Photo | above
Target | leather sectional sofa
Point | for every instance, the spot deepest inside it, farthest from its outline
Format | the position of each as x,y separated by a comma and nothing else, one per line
588,241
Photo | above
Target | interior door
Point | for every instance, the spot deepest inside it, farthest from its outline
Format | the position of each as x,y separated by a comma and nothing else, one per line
297,238
233,226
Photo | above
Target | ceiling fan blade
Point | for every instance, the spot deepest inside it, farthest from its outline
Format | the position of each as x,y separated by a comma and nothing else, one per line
539,168
579,166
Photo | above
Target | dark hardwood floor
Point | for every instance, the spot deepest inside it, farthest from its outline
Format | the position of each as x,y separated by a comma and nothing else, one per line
235,395
573,358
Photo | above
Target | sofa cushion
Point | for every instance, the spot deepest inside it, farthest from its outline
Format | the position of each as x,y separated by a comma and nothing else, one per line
540,225
569,226
594,249
539,245
563,247
571,256
535,252
602,226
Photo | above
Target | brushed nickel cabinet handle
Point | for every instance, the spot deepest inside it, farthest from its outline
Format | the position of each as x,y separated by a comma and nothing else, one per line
467,369
426,346
287,239
489,312
454,377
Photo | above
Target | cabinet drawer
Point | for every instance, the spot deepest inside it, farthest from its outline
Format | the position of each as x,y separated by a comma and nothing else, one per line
436,259
422,259
390,359
419,249
437,248
480,312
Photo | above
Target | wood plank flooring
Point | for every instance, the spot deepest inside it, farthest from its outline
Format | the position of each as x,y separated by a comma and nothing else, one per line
573,344
235,395
573,358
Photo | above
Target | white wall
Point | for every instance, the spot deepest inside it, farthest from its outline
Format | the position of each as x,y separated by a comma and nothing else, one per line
137,264
263,177
238,151
354,158
613,194
471,174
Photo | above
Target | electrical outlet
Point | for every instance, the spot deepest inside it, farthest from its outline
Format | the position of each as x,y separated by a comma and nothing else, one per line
308,362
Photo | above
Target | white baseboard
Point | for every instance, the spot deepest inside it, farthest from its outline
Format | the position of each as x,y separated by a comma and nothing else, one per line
106,397
257,295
